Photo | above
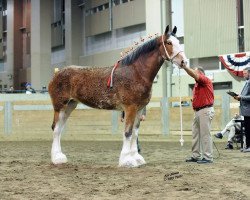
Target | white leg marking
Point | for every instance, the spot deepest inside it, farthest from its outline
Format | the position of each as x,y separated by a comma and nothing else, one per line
129,155
126,160
57,157
134,149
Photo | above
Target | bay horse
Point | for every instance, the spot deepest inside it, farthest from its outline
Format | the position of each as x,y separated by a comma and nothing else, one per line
131,91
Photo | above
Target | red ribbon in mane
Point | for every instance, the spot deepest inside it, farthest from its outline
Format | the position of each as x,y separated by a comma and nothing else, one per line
110,80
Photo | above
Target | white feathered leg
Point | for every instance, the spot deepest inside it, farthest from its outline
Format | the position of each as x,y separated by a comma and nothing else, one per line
129,156
126,159
134,149
134,146
57,157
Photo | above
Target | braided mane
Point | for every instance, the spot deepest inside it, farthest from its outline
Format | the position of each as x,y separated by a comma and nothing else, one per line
143,49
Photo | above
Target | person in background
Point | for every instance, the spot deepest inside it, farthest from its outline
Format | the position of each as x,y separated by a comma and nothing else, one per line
203,100
230,129
244,99
29,89
142,118
11,89
44,90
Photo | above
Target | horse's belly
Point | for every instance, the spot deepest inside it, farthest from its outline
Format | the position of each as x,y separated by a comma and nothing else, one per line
100,104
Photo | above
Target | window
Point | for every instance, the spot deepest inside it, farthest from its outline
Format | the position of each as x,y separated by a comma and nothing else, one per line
208,63
240,25
117,2
241,39
106,5
100,8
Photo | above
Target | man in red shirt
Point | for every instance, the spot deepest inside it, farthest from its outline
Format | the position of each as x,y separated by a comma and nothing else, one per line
203,100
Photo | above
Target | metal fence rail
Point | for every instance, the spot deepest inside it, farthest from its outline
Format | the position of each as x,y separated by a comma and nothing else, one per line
32,114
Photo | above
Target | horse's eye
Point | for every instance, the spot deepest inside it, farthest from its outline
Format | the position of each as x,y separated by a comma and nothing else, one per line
169,43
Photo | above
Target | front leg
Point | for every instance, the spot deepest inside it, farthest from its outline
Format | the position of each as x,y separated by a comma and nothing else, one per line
134,147
126,159
129,155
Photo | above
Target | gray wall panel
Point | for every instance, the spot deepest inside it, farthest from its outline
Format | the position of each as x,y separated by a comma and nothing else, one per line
1,24
104,59
56,36
210,27
97,23
1,35
129,14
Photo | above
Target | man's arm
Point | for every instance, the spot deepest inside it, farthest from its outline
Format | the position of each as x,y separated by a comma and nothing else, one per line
191,72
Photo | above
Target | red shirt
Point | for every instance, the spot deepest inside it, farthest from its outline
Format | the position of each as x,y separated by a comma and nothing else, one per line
203,92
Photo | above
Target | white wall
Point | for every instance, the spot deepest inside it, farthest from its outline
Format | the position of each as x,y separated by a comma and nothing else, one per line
177,16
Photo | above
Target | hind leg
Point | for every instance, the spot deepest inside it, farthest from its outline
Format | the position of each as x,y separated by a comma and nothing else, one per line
134,146
60,118
57,157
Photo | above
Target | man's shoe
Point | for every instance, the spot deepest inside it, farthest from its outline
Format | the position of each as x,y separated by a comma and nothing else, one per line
229,146
247,150
218,135
191,159
204,161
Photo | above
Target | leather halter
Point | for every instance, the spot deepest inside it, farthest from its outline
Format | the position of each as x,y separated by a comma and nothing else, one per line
166,52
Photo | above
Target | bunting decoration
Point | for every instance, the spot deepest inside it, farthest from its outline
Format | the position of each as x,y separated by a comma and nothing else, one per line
235,63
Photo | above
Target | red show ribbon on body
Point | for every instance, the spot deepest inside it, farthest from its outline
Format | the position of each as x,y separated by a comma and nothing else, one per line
110,80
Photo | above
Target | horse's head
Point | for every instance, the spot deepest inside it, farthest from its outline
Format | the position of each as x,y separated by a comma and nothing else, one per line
171,49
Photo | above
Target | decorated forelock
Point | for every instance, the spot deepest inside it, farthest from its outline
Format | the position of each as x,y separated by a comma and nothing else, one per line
137,44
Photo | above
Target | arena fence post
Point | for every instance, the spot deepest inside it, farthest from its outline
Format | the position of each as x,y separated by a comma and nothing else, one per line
7,117
115,115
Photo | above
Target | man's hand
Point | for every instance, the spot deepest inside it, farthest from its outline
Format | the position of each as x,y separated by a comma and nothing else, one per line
237,97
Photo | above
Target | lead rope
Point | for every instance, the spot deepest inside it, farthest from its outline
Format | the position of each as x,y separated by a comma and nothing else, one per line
181,140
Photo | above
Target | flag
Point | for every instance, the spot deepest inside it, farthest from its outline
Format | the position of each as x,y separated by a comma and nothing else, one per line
235,63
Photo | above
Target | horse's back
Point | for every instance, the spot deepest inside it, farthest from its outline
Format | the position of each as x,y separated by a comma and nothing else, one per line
85,84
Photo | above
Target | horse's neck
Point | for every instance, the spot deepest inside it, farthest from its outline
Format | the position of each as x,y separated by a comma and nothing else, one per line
149,65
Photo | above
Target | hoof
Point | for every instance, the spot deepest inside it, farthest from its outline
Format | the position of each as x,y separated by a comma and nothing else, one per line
139,159
128,161
59,158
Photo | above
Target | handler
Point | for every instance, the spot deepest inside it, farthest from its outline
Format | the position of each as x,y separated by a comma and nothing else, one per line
203,100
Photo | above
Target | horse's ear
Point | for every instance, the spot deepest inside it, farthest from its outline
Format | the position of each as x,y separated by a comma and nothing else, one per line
166,30
174,30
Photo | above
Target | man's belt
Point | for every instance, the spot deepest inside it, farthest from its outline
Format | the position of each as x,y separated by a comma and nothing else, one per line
207,106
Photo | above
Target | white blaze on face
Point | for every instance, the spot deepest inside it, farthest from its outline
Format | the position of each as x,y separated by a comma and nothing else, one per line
177,48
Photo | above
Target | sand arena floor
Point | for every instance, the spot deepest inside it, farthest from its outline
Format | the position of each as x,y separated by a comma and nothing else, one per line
92,173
